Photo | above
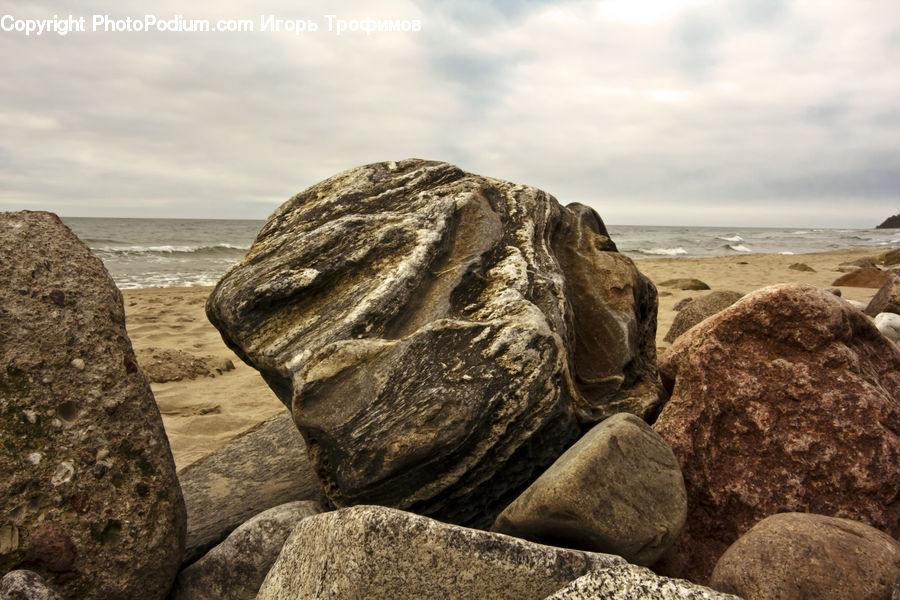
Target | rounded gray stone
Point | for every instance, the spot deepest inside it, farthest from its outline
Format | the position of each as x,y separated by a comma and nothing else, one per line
617,490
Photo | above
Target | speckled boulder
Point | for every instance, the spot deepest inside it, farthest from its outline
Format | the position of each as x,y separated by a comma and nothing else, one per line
629,582
788,401
88,493
440,337
617,490
378,553
794,556
25,585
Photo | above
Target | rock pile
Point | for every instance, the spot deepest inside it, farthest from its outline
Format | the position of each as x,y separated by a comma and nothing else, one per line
466,348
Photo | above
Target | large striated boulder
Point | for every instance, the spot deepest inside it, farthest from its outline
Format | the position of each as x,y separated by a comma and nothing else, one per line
89,499
699,309
264,467
794,556
789,400
235,568
440,337
617,490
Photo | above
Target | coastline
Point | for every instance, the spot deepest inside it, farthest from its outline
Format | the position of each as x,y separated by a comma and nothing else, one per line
202,414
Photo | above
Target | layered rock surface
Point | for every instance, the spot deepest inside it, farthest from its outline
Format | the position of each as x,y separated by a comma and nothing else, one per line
440,337
788,400
89,499
264,467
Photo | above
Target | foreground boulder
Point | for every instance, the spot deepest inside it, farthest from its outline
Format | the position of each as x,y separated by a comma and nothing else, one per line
25,585
629,582
379,553
264,467
235,568
789,400
695,311
617,490
89,499
793,556
440,337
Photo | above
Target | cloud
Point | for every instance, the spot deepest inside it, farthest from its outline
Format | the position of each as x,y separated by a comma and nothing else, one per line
648,110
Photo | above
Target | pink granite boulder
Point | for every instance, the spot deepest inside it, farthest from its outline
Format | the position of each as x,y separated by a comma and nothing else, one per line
789,400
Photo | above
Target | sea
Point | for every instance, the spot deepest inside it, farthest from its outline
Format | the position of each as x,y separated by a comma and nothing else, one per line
142,253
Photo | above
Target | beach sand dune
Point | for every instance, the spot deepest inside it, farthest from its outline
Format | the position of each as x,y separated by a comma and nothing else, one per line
201,414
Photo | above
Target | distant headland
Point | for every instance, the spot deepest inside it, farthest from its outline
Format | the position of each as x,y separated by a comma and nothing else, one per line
890,223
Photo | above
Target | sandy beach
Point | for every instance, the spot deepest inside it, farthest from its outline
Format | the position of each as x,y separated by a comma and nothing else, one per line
201,413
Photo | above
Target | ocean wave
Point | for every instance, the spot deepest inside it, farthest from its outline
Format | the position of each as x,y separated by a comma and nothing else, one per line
737,248
662,251
169,250
733,238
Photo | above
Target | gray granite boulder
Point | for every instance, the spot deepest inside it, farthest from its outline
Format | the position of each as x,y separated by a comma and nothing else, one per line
630,582
375,553
793,556
89,498
25,585
264,467
440,337
618,490
235,568
699,309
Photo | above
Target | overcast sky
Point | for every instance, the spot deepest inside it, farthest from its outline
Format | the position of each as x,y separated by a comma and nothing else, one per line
681,112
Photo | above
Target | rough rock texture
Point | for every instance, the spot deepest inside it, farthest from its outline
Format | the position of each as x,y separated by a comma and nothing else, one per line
265,467
440,337
701,308
374,553
886,299
618,490
88,493
161,365
867,277
235,568
891,257
794,556
629,582
889,325
25,585
788,400
684,284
